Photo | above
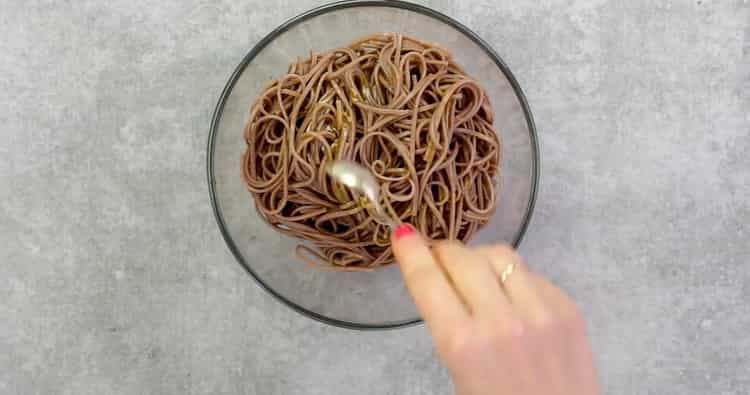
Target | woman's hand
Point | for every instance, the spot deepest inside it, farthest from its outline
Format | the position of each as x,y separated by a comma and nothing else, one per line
523,336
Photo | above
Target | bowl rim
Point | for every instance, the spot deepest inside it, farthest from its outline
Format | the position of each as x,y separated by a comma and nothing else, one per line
323,9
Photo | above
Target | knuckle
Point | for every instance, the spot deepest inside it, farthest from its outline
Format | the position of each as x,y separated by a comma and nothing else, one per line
508,330
463,341
512,336
516,328
549,321
546,321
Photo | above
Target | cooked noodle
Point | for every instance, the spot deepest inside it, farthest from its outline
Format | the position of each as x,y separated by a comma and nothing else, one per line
401,107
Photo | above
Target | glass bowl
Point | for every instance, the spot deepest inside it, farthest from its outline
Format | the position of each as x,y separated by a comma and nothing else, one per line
379,299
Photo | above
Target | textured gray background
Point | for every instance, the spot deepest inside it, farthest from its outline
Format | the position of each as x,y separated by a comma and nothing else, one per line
115,279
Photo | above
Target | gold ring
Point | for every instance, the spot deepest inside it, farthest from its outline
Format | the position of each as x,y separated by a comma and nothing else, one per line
507,272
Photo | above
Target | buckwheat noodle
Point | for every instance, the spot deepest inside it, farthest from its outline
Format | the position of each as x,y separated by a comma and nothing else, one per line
401,107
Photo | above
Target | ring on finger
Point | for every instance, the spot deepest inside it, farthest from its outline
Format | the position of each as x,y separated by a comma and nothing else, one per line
507,272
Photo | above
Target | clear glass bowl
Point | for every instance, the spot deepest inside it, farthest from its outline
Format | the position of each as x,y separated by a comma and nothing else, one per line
376,300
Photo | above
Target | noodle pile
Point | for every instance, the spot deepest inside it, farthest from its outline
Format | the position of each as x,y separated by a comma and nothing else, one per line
397,105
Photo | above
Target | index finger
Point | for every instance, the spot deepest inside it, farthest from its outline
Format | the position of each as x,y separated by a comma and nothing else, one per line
437,301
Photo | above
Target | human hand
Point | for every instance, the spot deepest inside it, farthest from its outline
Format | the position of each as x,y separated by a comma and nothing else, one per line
523,336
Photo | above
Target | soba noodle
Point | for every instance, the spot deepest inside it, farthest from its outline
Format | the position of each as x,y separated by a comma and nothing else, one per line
401,107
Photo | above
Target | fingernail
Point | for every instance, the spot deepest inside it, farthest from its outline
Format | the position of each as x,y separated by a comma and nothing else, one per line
402,231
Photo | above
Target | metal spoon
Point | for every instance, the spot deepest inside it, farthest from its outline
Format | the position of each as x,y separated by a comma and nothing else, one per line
360,179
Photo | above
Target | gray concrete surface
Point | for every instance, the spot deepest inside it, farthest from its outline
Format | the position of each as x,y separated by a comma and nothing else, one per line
115,279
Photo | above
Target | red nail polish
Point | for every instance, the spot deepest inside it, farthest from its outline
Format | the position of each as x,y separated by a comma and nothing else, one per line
402,231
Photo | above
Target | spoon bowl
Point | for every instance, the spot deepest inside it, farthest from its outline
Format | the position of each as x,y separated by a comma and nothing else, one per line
358,178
